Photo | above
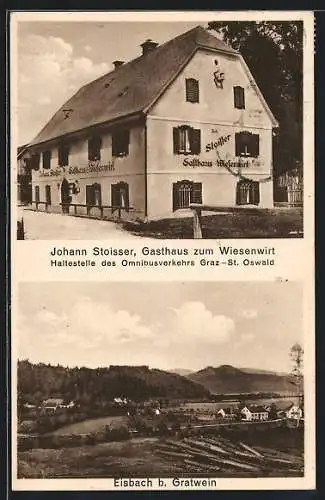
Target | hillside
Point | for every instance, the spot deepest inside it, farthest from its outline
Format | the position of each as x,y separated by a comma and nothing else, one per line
40,381
229,380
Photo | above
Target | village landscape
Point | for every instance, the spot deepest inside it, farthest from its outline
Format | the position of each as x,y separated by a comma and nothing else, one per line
173,425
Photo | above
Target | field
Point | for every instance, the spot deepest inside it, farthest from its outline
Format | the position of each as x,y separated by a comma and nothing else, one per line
91,425
161,457
213,407
252,223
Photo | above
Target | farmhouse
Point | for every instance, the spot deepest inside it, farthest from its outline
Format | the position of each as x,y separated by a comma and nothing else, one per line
226,413
294,412
55,403
182,123
255,412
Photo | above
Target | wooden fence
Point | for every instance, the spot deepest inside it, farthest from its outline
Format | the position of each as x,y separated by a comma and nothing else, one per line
92,211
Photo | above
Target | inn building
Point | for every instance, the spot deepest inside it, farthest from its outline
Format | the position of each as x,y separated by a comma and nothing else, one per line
182,123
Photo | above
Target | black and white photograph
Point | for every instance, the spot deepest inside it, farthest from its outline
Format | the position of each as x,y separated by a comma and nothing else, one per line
169,380
173,130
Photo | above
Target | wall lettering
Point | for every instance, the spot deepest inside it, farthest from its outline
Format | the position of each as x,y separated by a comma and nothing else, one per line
93,166
220,142
197,162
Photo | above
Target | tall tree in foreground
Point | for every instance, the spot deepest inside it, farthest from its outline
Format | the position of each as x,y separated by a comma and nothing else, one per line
296,355
274,53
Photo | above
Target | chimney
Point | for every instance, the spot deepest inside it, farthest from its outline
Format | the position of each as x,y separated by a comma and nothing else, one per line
148,46
117,64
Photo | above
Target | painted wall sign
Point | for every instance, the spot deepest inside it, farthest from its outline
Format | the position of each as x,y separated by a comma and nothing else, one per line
216,144
218,76
197,162
91,167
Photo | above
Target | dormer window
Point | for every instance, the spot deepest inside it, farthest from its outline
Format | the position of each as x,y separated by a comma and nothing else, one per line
63,155
192,90
46,159
94,147
187,140
239,97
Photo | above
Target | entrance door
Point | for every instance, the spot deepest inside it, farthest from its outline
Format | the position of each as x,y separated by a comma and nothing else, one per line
65,196
48,194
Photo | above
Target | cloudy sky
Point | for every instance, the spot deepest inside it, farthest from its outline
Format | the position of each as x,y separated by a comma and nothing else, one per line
164,325
55,59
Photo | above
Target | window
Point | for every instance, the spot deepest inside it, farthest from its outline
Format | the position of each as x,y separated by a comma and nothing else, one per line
120,143
35,161
94,195
46,159
37,194
63,155
186,192
94,147
187,140
247,144
192,90
48,194
247,193
120,195
239,97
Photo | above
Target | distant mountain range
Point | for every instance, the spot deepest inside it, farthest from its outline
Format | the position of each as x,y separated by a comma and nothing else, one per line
40,381
227,379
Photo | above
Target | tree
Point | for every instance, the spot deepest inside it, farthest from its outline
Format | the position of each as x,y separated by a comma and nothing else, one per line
273,411
273,51
296,355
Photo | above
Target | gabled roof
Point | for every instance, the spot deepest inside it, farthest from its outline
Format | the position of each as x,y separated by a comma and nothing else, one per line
130,89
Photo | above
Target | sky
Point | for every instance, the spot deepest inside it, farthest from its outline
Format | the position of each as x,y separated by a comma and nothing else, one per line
164,325
54,59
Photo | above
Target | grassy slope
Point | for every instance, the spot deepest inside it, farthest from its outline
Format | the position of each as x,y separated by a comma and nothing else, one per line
277,223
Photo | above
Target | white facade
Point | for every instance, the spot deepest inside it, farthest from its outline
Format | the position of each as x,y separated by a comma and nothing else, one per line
206,139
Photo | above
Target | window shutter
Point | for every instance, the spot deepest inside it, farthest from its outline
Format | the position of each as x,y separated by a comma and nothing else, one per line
239,97
255,145
90,195
113,195
126,141
238,137
238,193
192,90
255,193
176,132
127,198
195,140
196,193
175,197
